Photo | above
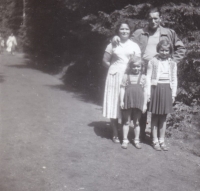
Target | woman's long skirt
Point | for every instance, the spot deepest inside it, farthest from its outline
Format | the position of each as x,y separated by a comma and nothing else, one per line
111,108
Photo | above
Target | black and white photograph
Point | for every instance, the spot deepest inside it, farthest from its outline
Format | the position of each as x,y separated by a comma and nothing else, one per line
99,95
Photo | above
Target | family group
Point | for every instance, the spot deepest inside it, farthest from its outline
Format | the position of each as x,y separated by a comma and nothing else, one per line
142,76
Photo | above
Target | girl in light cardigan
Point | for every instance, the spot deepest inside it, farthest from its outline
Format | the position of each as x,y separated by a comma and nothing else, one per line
162,75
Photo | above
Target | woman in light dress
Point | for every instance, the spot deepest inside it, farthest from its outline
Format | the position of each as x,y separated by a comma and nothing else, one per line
116,59
11,43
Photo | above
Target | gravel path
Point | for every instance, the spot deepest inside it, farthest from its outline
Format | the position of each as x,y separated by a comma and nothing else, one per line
53,140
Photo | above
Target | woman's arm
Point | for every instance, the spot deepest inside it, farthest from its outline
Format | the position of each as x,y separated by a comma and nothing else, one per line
106,59
174,81
115,40
145,101
145,94
148,80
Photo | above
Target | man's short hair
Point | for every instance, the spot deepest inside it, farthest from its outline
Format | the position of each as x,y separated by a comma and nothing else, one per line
154,10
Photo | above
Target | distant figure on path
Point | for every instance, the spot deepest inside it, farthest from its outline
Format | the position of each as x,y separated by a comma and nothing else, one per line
11,43
116,59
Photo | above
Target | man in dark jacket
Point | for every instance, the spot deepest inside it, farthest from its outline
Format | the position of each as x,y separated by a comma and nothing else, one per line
148,38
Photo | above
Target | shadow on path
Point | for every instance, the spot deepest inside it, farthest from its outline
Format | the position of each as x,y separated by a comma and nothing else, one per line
102,129
75,80
1,78
29,65
24,66
83,95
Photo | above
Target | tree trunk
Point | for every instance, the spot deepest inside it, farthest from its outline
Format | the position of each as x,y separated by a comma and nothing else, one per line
24,12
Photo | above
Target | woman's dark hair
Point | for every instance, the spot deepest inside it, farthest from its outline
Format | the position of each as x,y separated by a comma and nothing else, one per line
164,43
133,60
126,21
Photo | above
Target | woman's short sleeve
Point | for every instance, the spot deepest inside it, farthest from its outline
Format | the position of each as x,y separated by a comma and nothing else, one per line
124,80
109,49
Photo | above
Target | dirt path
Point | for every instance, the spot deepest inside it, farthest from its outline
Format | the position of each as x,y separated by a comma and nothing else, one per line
52,140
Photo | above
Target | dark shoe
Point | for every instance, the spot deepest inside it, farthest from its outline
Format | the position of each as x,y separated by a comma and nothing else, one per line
115,140
156,146
164,147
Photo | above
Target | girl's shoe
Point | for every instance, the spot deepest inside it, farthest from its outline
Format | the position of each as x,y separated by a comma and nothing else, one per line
163,146
115,140
125,144
156,146
137,145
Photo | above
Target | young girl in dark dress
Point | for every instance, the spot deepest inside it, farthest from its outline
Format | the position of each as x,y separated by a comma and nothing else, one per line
162,74
133,99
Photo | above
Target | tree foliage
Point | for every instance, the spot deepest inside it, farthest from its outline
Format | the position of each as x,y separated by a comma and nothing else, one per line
11,16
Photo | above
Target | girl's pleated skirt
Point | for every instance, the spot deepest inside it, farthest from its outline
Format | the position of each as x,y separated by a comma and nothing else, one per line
161,99
134,97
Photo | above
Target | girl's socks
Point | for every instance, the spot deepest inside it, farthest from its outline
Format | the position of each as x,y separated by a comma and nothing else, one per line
155,140
136,140
161,140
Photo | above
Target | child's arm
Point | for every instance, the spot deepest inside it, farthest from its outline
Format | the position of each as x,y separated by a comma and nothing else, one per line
174,81
148,80
145,91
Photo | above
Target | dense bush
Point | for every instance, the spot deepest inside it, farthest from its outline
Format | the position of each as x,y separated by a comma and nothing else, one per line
184,126
183,117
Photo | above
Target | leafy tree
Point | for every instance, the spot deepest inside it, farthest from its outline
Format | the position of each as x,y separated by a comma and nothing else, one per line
11,17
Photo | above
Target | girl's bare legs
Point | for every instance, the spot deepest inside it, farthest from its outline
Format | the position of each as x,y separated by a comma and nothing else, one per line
136,118
126,119
162,130
114,124
154,131
154,127
162,127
